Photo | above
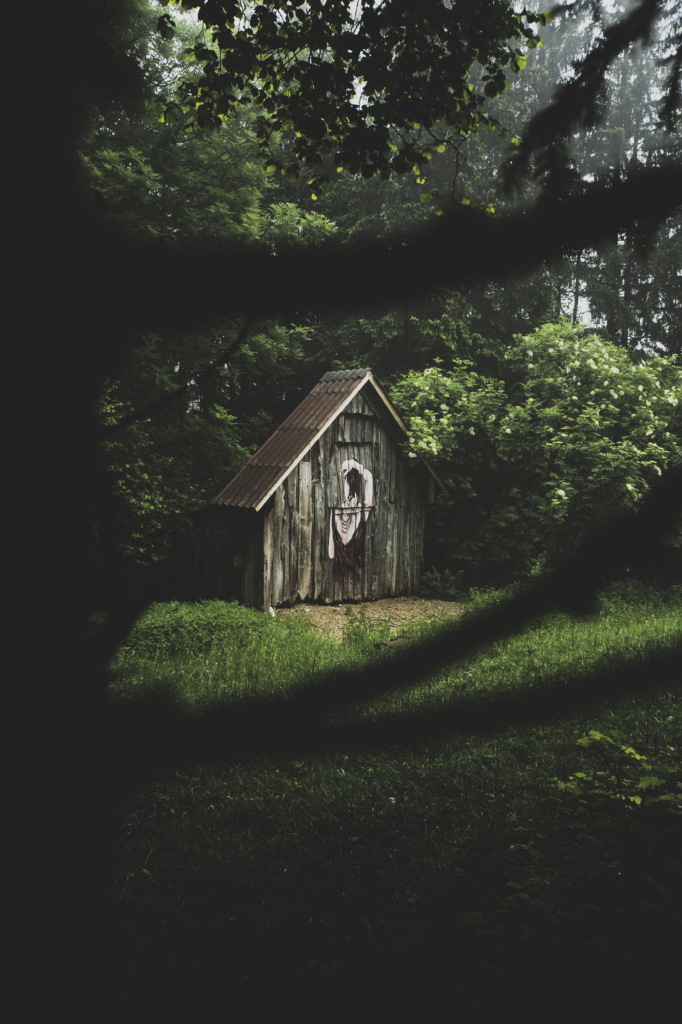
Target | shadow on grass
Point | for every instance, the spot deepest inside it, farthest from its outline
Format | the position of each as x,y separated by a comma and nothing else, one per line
610,947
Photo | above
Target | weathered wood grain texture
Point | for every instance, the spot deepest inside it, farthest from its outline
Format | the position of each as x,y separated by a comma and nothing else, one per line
304,588
285,546
291,539
319,513
380,520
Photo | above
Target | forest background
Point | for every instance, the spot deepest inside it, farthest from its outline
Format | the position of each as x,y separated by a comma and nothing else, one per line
546,403
177,188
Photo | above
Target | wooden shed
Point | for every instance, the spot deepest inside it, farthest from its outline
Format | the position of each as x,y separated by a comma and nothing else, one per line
327,510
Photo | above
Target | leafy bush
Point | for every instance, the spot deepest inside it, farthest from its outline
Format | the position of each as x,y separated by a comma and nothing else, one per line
445,586
614,779
577,431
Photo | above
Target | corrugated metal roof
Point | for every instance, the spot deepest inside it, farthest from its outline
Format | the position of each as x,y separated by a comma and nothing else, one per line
272,463
274,460
344,375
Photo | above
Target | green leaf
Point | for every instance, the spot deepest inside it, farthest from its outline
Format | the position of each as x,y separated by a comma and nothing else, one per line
165,26
649,782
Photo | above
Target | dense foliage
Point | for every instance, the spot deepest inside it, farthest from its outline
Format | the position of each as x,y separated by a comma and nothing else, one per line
576,430
163,186
354,80
174,187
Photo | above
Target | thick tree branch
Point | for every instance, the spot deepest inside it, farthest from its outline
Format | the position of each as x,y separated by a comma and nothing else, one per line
574,105
141,739
458,249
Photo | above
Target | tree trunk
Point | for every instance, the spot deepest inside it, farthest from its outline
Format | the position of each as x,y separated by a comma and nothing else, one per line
576,289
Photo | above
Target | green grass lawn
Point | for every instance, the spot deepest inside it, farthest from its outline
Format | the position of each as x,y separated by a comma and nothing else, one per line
405,880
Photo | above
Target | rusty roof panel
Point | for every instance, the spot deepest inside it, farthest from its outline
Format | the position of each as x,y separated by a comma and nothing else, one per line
344,375
274,460
250,481
291,440
283,449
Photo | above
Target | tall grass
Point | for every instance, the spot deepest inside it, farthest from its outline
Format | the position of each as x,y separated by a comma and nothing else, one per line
472,833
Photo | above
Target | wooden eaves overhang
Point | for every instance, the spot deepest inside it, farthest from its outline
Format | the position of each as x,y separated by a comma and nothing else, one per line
284,449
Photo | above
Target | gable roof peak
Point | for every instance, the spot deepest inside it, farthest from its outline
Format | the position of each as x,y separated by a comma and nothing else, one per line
344,375
274,460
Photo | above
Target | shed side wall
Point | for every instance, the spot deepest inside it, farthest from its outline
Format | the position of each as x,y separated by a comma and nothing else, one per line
224,562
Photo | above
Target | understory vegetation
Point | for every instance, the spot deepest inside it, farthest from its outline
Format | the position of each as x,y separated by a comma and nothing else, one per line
545,847
545,402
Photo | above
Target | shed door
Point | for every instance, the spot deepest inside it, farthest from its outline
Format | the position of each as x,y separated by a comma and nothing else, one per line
351,507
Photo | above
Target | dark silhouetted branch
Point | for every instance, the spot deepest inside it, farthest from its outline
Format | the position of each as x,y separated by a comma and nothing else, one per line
299,717
456,250
574,105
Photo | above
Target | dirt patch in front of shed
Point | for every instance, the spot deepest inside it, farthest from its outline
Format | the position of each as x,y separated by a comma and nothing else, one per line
398,612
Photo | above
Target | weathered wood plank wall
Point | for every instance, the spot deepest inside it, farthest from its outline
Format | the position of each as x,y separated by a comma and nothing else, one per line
210,570
296,521
281,554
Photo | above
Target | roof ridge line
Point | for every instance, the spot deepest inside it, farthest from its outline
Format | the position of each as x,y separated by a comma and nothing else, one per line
344,375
